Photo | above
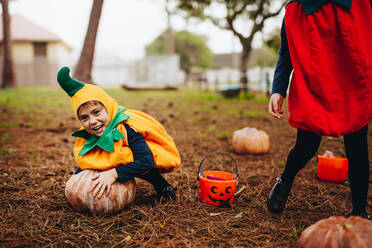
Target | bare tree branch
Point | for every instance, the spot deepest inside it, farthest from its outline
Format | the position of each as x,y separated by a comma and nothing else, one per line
257,11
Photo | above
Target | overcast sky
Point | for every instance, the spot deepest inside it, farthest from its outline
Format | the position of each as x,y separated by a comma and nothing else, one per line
126,26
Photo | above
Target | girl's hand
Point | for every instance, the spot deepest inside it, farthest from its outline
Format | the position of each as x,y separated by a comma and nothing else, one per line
103,181
275,105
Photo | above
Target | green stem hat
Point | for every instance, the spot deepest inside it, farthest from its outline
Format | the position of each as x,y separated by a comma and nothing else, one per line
69,84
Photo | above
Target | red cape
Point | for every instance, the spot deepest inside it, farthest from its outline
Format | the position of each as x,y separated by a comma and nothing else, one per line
331,86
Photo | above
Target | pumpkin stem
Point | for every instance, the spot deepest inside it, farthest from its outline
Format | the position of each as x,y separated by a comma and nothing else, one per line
348,226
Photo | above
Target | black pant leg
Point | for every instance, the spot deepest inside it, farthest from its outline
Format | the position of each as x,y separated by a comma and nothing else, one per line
157,180
356,148
306,146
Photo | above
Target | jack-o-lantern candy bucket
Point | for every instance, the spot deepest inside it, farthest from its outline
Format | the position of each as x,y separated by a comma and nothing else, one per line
217,188
331,168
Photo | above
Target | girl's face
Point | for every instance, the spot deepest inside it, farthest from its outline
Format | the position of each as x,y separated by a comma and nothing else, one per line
94,117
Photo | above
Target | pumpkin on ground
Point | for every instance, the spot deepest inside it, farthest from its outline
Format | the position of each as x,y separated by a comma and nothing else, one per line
337,232
78,193
250,141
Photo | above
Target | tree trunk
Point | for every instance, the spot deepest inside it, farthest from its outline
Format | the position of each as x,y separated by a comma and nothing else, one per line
170,38
243,68
83,69
9,76
170,41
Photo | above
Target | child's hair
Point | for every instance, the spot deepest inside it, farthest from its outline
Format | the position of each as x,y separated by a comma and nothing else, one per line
94,102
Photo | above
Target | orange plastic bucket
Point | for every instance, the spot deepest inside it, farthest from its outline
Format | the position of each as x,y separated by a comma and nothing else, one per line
332,169
217,188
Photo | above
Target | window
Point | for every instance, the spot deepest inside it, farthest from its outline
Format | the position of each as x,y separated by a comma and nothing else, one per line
40,49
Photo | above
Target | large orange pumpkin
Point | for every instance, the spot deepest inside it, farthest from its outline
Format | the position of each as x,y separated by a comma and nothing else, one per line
250,141
337,232
78,193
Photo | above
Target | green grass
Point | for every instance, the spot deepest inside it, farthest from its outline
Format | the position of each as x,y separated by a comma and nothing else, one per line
261,99
7,125
56,97
34,95
45,100
34,100
201,135
202,108
28,124
5,152
223,135
254,113
7,138
235,112
211,128
246,96
33,155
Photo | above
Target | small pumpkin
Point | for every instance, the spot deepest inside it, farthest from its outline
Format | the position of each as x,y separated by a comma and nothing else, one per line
250,141
78,193
337,232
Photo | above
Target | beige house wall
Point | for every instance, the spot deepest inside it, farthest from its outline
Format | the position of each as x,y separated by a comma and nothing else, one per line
23,50
31,70
58,51
55,50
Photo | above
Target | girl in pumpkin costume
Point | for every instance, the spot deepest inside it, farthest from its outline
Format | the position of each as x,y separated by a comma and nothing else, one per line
327,45
122,143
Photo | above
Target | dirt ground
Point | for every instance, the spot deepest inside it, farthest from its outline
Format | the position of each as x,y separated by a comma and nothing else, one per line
36,160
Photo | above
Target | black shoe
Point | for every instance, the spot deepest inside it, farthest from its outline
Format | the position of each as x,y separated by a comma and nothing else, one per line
166,194
362,214
278,196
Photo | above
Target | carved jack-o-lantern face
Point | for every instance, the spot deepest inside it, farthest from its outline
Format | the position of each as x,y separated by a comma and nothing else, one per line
221,194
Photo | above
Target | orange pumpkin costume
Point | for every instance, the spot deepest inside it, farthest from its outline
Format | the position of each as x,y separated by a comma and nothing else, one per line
161,145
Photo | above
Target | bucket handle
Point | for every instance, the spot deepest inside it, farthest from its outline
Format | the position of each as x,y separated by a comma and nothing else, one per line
327,141
216,153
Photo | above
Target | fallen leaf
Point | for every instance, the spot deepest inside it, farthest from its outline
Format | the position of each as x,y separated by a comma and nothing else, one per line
214,214
162,224
240,190
239,215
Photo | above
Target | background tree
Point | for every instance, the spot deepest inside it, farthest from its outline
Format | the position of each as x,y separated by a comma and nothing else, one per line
9,76
265,57
253,12
192,49
83,69
273,40
170,38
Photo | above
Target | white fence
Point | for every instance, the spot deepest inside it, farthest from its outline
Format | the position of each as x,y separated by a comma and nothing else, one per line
257,77
36,71
152,71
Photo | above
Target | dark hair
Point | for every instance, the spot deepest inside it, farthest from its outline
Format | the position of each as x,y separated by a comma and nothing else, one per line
94,102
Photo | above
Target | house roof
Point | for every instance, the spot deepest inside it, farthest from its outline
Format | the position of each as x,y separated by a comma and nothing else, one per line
24,30
231,60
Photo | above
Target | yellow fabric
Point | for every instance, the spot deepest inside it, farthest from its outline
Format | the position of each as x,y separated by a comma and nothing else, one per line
162,146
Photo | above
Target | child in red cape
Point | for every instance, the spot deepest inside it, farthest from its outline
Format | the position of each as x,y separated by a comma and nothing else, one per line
327,45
